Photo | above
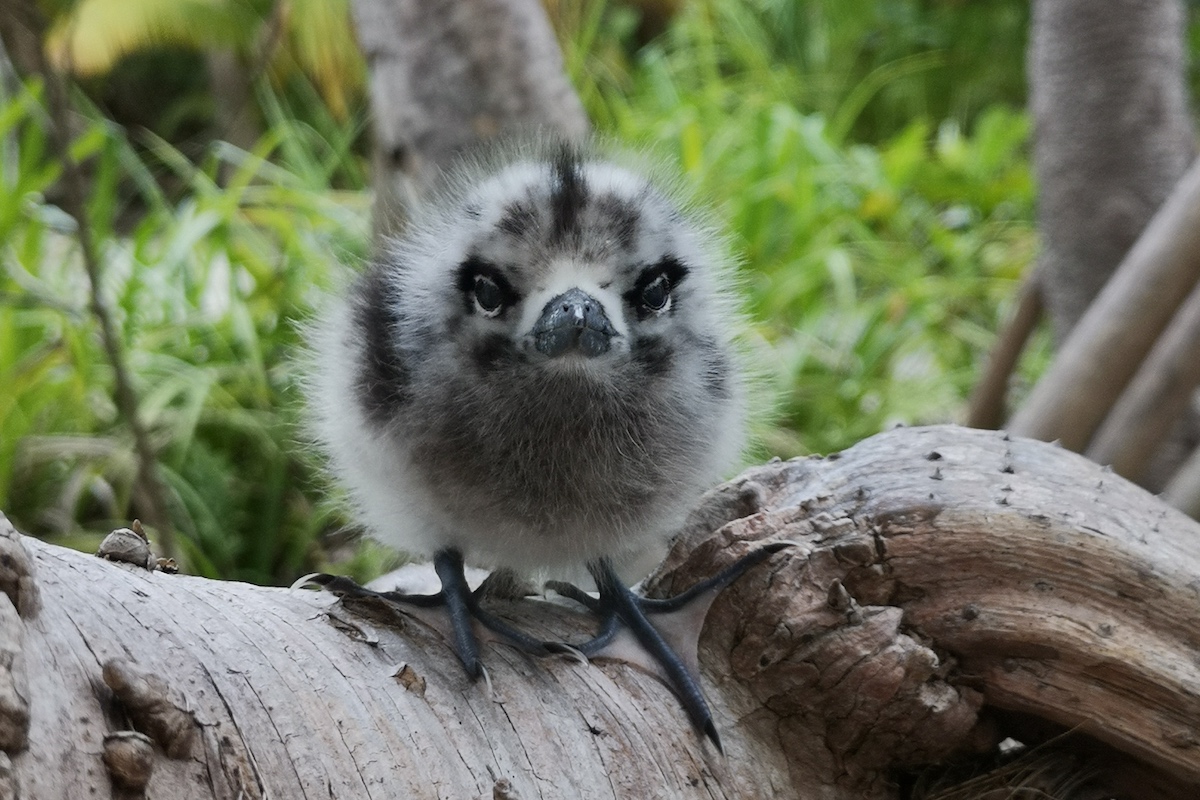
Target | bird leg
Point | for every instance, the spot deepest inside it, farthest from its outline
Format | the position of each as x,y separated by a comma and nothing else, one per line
461,604
671,644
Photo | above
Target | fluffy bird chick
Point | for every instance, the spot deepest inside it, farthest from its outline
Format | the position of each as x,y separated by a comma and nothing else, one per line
538,376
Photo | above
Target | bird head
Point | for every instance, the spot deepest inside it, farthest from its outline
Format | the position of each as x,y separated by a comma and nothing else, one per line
557,264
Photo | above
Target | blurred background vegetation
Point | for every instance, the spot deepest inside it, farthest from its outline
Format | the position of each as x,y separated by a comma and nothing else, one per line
870,158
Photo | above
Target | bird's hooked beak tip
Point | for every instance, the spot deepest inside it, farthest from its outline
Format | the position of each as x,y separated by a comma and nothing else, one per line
573,322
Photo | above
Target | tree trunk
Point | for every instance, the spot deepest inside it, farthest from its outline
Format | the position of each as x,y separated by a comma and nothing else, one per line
1113,133
947,587
446,75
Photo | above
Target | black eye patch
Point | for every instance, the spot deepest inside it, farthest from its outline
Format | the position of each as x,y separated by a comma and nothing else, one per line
651,293
484,288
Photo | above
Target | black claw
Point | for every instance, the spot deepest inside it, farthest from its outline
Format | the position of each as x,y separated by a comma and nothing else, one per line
710,730
623,607
339,585
619,607
418,600
513,636
448,565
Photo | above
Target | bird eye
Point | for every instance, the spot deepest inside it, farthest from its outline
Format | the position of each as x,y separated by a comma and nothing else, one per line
651,294
657,293
488,297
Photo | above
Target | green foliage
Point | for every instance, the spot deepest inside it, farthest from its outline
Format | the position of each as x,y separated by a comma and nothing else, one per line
207,290
868,66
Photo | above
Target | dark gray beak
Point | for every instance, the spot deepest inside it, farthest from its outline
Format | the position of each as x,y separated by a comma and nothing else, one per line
573,322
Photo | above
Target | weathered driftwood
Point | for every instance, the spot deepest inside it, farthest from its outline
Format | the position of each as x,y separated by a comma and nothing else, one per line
948,585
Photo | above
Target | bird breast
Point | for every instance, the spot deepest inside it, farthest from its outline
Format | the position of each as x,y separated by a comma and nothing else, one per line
557,454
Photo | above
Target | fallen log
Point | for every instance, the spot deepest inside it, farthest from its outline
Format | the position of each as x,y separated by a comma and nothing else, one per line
949,588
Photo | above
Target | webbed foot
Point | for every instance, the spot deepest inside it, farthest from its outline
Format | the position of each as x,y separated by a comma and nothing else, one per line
671,644
461,604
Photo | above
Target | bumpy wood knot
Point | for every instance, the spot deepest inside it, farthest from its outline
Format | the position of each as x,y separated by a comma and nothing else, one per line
129,757
147,700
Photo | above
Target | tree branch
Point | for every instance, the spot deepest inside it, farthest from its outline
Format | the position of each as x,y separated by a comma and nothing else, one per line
986,408
1156,398
941,576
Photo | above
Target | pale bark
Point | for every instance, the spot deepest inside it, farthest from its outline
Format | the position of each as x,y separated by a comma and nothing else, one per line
935,570
1104,350
447,75
1112,135
1157,397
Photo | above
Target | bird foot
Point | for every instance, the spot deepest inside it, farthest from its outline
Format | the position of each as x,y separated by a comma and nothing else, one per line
660,636
462,606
